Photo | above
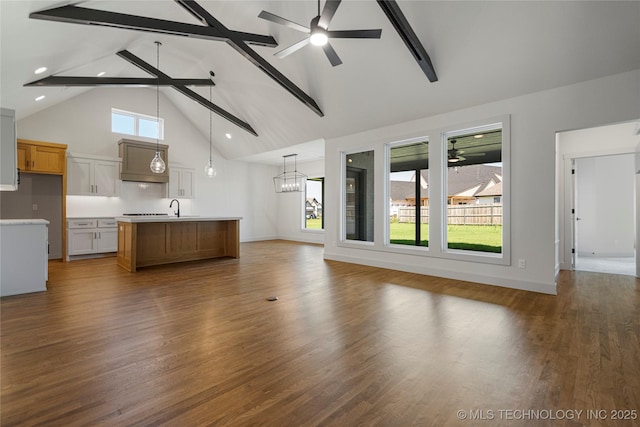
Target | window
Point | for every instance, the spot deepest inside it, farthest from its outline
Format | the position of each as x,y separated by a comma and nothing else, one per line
474,189
313,204
136,124
358,196
408,193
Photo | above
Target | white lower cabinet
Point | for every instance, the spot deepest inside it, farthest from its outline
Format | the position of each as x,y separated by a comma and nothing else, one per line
91,236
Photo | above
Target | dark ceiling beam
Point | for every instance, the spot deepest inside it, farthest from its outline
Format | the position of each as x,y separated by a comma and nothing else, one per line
240,46
85,16
185,91
408,36
117,81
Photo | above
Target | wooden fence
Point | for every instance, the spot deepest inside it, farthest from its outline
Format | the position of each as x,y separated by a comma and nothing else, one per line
489,214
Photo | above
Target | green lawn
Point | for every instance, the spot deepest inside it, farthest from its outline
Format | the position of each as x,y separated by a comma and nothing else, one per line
314,224
484,238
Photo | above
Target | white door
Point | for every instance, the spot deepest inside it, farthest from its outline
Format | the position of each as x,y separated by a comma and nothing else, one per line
106,178
108,240
79,176
605,214
186,182
82,241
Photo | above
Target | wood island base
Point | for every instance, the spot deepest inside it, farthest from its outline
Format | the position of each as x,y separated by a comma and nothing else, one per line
143,244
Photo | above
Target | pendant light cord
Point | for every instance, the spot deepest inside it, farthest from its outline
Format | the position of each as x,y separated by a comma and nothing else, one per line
158,97
210,126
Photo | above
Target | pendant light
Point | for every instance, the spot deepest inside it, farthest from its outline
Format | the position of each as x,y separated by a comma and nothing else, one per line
287,181
157,164
210,168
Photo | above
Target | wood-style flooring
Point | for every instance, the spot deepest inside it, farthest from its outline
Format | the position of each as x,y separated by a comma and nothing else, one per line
344,345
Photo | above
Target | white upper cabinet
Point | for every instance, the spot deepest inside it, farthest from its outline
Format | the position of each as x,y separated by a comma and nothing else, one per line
88,176
181,182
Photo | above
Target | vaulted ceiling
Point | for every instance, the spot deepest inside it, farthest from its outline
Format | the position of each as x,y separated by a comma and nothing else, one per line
482,52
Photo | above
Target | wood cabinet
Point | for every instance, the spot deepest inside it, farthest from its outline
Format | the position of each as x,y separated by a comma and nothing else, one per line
181,182
142,244
93,177
92,236
41,157
8,151
136,158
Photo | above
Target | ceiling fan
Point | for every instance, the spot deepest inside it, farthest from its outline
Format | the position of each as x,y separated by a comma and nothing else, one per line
319,33
455,155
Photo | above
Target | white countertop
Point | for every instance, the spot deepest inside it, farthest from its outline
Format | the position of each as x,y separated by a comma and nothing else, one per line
24,222
170,218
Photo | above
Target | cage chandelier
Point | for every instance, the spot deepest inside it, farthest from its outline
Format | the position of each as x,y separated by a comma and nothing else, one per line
289,181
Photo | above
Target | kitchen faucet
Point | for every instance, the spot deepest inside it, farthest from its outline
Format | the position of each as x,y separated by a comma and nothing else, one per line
176,212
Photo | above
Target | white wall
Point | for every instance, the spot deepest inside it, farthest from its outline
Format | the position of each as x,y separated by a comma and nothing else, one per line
84,124
291,208
610,139
535,119
605,204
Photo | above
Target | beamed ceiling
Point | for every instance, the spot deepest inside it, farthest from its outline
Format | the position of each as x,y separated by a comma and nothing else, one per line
481,52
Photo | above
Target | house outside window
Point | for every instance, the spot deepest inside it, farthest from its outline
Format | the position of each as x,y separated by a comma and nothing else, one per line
313,204
473,187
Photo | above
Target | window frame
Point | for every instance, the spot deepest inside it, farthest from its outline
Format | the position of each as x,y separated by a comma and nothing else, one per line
393,247
503,258
304,207
136,126
343,241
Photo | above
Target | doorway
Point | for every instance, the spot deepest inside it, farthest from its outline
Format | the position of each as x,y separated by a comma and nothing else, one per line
604,232
38,196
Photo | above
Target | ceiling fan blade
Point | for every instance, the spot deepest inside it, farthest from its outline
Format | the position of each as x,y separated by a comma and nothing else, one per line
289,50
280,20
328,11
331,54
355,34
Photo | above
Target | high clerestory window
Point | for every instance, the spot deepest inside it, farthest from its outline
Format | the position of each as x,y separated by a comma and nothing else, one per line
135,124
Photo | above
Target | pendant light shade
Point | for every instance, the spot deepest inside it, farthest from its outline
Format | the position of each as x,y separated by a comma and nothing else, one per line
210,168
157,164
290,181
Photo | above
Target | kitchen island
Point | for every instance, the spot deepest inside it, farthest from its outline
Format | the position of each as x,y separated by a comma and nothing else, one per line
145,241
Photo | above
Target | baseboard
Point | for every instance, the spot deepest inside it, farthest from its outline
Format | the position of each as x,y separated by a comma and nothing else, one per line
258,239
540,287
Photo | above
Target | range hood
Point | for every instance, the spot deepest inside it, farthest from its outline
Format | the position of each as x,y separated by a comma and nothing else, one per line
136,157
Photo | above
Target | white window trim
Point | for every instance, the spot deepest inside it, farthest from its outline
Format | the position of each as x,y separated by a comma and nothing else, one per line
303,226
503,258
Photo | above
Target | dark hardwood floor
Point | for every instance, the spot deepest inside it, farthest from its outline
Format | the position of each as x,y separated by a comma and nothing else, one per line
344,345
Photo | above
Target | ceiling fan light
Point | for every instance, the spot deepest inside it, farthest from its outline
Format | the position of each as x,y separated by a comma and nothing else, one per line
318,37
454,159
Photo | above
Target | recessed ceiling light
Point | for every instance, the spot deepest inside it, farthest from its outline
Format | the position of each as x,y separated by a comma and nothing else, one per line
102,73
478,136
228,135
40,98
40,70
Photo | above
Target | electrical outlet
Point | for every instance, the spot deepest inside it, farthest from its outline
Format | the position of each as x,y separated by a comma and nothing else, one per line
522,263
35,207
